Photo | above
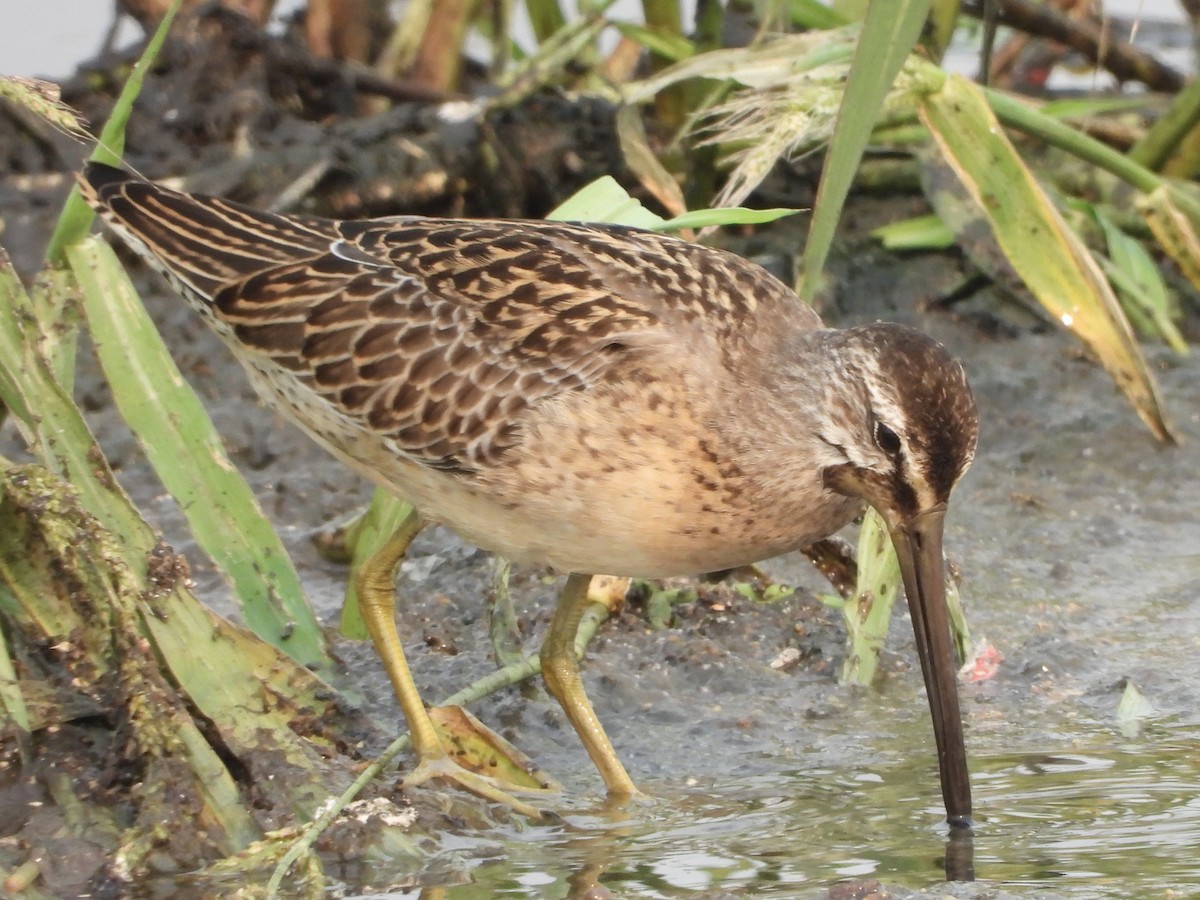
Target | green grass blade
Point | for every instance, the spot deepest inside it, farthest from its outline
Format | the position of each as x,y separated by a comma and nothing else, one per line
943,19
13,711
569,45
604,200
1085,107
49,419
76,218
225,672
182,445
546,17
54,301
1137,277
17,327
869,612
670,45
814,15
1133,711
1167,134
960,632
71,580
248,692
889,32
1020,115
1174,220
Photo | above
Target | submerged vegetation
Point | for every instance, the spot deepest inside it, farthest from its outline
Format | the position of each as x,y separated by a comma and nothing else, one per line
97,613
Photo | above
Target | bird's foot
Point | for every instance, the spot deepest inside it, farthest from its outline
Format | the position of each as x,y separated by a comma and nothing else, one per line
481,761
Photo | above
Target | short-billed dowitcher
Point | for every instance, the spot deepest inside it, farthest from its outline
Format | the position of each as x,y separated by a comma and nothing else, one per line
596,398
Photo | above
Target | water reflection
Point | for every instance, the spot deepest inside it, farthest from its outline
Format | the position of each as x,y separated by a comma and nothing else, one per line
1115,821
1101,822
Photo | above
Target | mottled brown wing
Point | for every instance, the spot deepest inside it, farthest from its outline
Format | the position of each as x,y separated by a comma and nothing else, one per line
431,346
433,371
498,316
435,334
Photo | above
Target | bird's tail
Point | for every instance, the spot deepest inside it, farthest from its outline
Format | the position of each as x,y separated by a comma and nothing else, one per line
202,242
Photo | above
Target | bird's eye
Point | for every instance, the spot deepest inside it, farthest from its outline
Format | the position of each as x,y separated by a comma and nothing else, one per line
886,439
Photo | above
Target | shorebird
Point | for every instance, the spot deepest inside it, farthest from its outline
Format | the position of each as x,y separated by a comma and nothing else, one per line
596,398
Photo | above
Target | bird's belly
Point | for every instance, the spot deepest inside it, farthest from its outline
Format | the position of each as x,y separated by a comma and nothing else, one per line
638,520
649,516
605,529
641,507
646,536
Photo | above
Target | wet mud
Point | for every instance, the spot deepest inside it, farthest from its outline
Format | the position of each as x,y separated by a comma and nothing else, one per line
1079,547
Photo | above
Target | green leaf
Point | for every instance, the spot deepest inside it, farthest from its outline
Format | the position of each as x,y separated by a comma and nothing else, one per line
139,629
1135,275
1168,134
73,580
918,233
604,200
1133,709
49,419
13,710
225,673
17,329
186,452
814,15
546,17
1083,107
869,612
728,215
1175,220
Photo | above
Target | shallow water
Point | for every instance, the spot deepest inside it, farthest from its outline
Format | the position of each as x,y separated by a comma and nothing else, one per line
1103,821
1079,543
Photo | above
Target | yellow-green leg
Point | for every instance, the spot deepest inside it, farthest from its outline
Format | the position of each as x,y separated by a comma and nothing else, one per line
377,603
560,671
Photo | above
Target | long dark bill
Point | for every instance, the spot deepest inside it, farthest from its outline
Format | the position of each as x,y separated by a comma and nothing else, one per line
918,543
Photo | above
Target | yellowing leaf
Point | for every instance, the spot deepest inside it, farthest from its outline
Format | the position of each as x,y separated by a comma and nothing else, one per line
1051,260
476,747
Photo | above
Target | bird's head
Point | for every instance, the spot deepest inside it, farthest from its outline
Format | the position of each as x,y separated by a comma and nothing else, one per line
908,428
900,431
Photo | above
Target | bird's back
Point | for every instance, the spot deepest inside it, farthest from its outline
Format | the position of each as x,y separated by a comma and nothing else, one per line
438,333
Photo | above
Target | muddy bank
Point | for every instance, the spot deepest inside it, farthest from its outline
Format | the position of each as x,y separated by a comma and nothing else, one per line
1078,556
